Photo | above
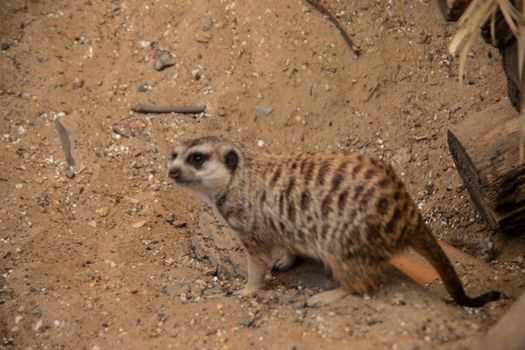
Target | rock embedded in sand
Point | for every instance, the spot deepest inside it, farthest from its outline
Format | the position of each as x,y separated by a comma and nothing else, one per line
163,60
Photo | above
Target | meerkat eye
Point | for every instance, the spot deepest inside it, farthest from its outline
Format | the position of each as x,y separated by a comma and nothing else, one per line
196,159
174,155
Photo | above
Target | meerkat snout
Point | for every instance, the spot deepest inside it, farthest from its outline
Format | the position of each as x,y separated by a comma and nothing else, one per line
174,172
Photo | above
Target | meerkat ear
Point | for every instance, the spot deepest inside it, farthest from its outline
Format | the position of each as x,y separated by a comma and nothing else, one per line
231,159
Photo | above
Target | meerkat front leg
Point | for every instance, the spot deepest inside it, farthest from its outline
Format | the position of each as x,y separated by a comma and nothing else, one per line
256,273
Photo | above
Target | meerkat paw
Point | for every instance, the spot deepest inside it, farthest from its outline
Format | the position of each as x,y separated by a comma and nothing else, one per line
245,292
282,263
327,297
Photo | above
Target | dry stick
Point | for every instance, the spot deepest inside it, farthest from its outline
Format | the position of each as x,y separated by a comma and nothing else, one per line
64,139
168,109
338,25
522,115
520,44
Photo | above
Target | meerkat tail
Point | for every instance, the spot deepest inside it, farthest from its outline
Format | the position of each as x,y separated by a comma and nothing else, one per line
426,244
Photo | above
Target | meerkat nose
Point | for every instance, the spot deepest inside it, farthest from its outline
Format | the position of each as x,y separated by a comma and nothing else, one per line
174,173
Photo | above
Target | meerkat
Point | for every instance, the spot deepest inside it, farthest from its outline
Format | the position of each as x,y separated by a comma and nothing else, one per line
349,211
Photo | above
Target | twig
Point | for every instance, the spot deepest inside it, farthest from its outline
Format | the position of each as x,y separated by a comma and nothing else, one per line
522,118
521,46
168,109
338,25
64,139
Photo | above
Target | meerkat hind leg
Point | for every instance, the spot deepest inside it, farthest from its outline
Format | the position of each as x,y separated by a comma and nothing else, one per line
256,272
282,260
355,276
327,297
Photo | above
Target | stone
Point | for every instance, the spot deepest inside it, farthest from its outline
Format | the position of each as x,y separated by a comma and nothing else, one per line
70,174
196,74
139,224
77,83
37,325
163,60
263,110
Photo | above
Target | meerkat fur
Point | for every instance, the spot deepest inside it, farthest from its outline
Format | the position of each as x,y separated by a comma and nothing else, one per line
350,212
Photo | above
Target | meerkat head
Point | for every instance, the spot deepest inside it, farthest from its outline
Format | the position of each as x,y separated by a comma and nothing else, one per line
205,165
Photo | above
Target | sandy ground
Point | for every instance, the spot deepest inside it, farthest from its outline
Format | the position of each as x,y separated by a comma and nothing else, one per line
104,260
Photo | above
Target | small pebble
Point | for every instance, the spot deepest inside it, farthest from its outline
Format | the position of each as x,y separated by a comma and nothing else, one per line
163,60
263,110
221,112
70,174
203,38
139,224
103,212
121,131
142,88
77,83
37,325
429,188
196,74
4,46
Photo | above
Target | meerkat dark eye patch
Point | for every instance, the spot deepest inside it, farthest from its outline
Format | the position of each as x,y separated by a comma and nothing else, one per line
174,155
231,159
197,159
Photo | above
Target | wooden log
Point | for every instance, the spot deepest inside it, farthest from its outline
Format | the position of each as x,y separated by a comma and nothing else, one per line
453,9
485,150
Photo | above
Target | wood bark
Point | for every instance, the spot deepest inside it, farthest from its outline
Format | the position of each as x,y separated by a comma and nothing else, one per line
485,150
